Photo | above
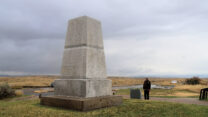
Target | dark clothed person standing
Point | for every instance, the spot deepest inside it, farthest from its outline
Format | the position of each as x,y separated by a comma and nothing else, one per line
146,87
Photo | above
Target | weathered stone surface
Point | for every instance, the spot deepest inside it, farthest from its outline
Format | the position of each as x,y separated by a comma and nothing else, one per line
83,63
83,71
135,93
95,64
83,84
84,55
83,87
82,104
74,63
84,31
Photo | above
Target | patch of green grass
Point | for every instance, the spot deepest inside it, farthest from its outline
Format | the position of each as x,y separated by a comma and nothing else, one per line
129,108
13,97
166,96
176,96
186,90
152,92
123,92
159,93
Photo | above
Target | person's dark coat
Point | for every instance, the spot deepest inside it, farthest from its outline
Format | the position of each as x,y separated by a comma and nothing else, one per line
147,84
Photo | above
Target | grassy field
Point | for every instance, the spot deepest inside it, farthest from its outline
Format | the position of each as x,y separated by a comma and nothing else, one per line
28,81
172,93
16,107
180,90
21,81
177,91
123,81
129,108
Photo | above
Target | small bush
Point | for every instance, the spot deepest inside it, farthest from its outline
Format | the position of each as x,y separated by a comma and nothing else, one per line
18,92
6,91
193,81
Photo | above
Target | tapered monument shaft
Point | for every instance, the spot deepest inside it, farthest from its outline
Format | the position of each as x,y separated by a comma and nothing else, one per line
83,54
83,72
83,84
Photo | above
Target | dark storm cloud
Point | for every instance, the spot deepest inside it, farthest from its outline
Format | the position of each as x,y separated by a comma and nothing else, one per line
25,19
38,56
31,20
32,33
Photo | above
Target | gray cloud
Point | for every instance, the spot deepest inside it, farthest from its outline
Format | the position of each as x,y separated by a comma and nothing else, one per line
32,34
40,56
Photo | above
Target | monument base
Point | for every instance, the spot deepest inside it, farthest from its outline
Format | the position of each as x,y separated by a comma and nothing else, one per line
83,87
81,104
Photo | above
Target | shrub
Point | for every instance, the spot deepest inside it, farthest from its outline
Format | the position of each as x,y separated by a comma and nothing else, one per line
193,81
18,92
6,91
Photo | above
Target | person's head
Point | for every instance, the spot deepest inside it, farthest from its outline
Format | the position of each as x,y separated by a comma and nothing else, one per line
147,79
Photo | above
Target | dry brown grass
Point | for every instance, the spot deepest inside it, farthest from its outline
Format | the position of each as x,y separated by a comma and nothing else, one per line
173,92
122,81
184,94
192,88
179,90
18,92
44,90
24,81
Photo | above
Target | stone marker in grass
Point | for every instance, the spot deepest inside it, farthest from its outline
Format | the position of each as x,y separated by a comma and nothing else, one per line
83,84
135,93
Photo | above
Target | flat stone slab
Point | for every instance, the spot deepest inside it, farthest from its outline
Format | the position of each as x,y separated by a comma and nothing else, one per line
81,104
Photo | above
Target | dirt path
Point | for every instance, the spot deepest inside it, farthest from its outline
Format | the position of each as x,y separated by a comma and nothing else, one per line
177,100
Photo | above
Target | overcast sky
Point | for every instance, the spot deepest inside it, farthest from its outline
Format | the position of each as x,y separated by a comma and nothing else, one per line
141,37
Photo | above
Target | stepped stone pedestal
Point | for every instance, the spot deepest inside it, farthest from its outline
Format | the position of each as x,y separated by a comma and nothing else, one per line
83,74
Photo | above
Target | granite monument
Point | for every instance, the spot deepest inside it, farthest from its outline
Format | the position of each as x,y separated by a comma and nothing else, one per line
83,84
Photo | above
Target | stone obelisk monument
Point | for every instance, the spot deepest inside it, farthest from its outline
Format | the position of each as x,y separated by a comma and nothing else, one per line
83,68
83,74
